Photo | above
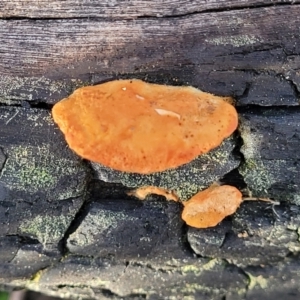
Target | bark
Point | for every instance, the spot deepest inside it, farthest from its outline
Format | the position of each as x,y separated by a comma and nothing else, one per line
67,233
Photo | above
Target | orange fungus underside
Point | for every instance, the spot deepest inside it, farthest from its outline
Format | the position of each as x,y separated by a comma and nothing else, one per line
209,207
142,193
134,126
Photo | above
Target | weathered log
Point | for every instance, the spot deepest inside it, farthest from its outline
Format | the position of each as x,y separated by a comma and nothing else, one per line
120,9
220,52
67,233
42,187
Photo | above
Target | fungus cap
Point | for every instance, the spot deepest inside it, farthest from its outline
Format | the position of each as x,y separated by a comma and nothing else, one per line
209,207
134,126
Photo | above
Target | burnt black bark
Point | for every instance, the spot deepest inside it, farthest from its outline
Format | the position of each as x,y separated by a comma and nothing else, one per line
66,232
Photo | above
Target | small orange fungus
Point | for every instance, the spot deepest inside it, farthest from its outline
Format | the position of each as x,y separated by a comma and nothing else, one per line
142,192
209,207
134,126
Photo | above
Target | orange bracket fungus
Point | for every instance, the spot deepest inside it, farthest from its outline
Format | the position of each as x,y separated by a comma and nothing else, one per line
209,207
138,127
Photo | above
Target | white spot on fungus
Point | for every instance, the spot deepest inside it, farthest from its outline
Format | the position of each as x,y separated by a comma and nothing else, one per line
164,112
140,97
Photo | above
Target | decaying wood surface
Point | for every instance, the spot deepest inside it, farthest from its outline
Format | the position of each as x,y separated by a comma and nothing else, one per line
65,232
122,8
232,52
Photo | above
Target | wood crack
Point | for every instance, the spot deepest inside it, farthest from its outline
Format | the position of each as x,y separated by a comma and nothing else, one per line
153,16
75,223
218,10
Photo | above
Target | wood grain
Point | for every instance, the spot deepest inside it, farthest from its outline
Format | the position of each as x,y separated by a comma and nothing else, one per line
120,9
219,52
76,47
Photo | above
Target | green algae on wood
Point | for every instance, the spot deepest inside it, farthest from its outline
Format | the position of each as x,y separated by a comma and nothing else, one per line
34,169
47,229
129,229
271,153
41,181
253,228
16,89
36,159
